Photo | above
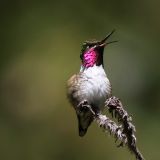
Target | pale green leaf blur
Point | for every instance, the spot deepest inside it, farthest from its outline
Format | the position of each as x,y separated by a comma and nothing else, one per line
39,51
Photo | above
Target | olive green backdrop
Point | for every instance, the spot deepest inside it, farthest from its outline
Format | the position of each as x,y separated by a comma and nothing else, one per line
39,51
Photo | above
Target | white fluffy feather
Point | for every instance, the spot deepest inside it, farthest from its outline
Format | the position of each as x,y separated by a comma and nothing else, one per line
96,88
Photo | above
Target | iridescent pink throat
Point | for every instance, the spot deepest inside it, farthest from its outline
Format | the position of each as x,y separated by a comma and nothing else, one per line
90,58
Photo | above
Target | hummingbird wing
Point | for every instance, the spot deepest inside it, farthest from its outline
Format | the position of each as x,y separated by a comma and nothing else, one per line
85,118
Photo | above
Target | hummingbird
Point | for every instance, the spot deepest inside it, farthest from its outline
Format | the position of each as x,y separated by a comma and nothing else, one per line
89,87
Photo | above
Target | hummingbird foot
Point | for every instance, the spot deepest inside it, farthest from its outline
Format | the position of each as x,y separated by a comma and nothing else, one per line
84,105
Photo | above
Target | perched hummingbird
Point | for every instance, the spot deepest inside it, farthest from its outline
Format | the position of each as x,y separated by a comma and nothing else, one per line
91,85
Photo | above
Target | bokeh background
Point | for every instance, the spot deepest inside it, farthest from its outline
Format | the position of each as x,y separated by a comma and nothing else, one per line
39,51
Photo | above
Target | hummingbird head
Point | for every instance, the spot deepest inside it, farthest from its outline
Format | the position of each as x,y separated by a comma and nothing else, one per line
92,52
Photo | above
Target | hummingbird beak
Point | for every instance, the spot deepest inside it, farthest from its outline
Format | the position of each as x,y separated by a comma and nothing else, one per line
103,42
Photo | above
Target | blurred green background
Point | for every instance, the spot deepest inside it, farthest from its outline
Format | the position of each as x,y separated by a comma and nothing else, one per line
40,47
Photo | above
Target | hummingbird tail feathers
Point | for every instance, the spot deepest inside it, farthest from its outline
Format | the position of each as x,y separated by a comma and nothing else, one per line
84,122
82,131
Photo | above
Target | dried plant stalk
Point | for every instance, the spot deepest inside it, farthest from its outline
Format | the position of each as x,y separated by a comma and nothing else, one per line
116,108
124,133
